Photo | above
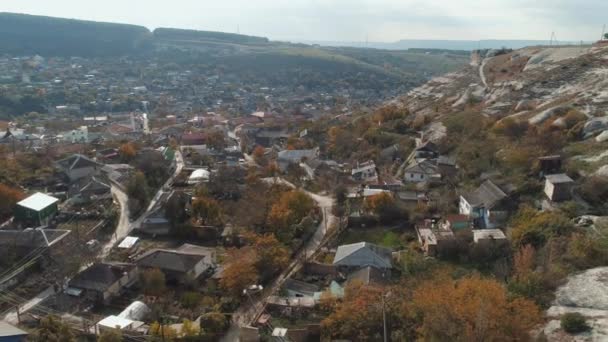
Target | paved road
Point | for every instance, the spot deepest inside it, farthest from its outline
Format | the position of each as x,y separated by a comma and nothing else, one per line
124,226
246,313
179,166
123,229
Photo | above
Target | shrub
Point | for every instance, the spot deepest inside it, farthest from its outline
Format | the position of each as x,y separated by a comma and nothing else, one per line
573,323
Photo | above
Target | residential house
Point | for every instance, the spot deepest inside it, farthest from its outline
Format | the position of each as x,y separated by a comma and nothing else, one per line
433,237
422,171
487,206
10,333
193,139
390,154
296,288
79,135
558,187
287,157
103,281
369,275
38,209
186,262
426,150
267,137
96,188
365,172
412,199
363,254
77,167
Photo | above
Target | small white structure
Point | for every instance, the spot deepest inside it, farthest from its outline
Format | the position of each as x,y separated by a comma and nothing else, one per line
128,242
79,135
487,235
199,176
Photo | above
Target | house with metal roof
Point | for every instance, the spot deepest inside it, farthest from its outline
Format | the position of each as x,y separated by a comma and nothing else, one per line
362,254
287,157
487,206
37,210
78,166
188,261
10,333
103,281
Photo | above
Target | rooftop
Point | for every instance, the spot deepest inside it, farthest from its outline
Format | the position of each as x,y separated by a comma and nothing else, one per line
486,234
38,201
8,330
558,178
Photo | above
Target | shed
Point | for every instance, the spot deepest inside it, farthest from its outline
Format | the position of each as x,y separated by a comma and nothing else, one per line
558,187
38,209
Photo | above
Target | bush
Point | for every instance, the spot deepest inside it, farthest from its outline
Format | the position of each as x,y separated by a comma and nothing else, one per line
574,323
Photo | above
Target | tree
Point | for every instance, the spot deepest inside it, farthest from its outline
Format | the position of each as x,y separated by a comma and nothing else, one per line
384,206
8,199
111,335
523,263
239,270
258,155
574,323
127,152
191,300
153,282
289,209
164,331
530,226
272,256
213,323
358,317
52,329
190,329
207,210
138,193
472,309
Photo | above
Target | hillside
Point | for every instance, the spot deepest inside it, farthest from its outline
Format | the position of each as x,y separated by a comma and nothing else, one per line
201,36
27,35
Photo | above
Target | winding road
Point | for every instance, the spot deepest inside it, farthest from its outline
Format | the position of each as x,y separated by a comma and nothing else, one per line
247,313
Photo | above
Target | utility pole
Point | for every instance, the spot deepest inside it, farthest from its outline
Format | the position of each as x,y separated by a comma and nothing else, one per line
384,318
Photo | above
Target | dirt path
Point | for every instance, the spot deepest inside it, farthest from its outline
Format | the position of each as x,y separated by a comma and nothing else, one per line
246,313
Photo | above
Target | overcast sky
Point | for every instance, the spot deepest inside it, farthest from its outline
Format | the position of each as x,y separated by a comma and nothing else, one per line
345,20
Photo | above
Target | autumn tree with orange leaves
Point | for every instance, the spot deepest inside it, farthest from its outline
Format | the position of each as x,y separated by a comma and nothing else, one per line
127,152
290,208
472,309
8,199
239,270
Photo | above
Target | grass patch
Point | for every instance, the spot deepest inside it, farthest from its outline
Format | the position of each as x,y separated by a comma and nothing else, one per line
382,236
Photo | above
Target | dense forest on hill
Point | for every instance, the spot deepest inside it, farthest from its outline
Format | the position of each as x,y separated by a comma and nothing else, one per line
26,34
179,34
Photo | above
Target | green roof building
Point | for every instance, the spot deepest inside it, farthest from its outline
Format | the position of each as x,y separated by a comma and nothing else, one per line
38,209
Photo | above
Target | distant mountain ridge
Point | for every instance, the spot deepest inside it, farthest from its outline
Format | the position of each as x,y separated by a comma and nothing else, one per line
466,45
22,34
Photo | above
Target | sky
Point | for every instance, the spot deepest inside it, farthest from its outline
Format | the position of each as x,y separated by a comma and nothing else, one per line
346,20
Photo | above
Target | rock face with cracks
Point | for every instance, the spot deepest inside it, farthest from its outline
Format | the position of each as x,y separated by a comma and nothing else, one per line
587,294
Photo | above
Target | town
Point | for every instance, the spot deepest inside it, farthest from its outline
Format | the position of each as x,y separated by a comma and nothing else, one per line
142,199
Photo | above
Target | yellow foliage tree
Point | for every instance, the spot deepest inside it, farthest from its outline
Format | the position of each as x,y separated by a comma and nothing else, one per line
472,309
